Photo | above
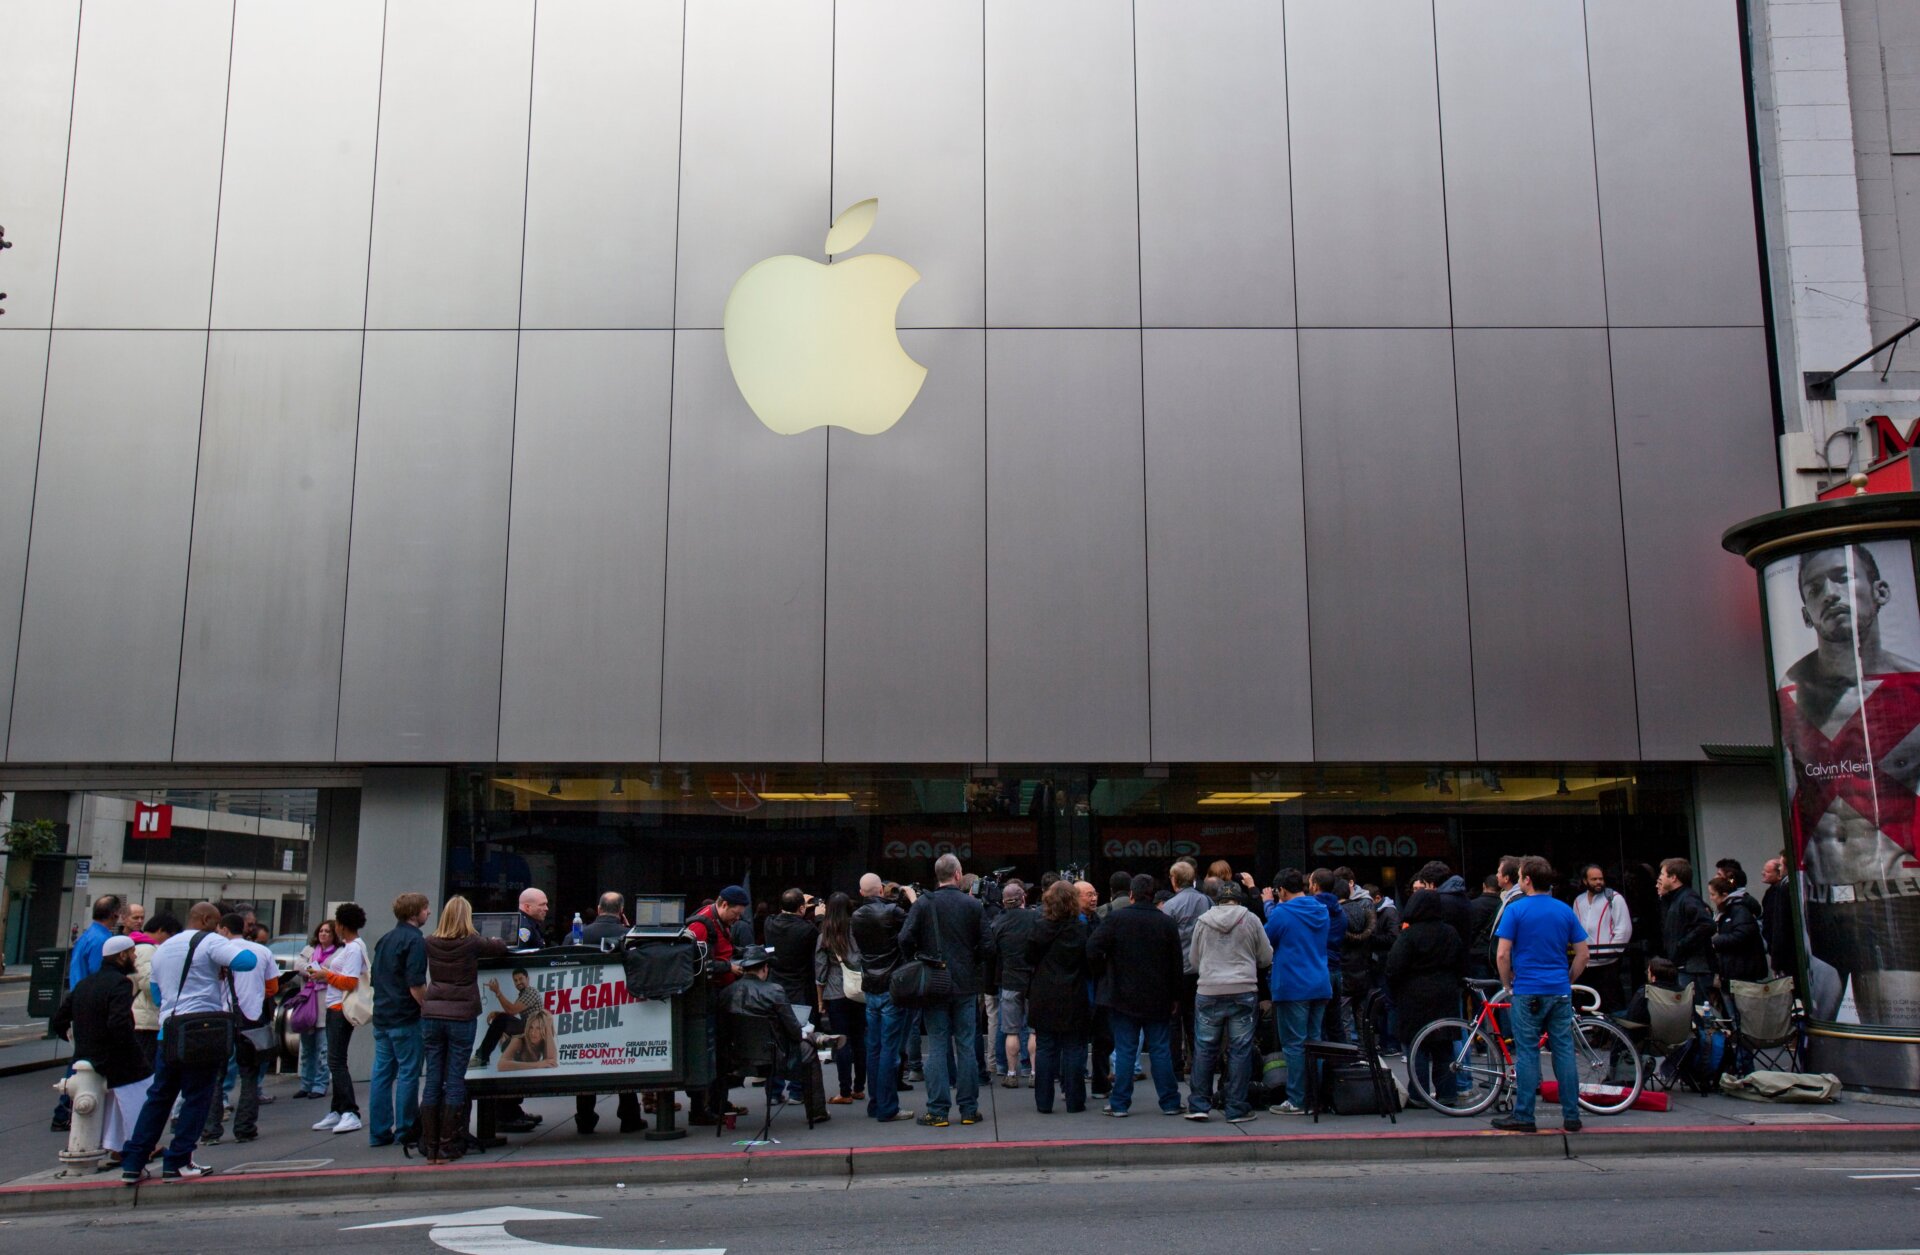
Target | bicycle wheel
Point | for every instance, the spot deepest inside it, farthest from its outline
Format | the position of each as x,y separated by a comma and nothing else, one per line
1473,1064
1610,1069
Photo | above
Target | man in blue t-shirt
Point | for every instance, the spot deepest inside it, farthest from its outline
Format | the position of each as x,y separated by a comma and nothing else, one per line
1542,951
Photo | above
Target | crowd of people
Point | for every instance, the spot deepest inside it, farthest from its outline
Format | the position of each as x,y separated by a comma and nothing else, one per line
1043,985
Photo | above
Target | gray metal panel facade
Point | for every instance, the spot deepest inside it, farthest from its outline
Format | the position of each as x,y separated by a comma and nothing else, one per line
450,183
301,119
1063,244
1216,246
756,132
908,128
586,561
1676,188
1067,668
1523,234
1551,640
606,79
746,573
906,664
1386,557
420,675
99,654
1030,565
36,99
1226,547
23,365
267,583
1369,222
1696,635
143,166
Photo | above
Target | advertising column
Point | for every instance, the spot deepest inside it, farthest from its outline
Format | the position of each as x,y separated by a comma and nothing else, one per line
1842,608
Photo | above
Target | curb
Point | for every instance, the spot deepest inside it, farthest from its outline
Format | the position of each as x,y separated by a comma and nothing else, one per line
38,1065
882,1161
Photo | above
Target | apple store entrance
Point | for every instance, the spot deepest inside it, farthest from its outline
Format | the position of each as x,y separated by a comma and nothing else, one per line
689,830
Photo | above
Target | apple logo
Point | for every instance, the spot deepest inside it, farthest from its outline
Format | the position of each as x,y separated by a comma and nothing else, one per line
815,345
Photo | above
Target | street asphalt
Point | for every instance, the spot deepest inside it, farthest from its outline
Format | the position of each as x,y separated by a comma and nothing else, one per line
1813,1203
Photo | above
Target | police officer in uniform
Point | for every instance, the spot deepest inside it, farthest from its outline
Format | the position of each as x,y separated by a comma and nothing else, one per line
529,933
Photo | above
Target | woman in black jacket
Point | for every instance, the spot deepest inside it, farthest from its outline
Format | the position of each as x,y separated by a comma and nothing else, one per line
1739,949
1057,1007
1424,970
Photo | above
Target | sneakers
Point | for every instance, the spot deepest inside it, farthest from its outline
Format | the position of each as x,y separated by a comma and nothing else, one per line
1177,1111
1198,1117
349,1123
1009,1080
1286,1108
478,1061
931,1121
326,1123
969,1117
132,1177
1571,1126
1514,1124
898,1117
185,1172
1243,1117
1115,1112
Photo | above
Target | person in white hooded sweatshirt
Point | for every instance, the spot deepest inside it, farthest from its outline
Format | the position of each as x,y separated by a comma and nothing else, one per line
1228,951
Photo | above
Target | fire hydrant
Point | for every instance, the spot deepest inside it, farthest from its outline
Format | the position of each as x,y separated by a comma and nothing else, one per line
88,1090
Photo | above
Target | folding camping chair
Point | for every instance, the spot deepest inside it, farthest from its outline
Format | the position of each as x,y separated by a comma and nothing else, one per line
1670,1030
1768,1027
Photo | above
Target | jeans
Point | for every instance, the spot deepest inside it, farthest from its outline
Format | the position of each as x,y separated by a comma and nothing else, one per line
849,1018
194,1087
950,1045
1062,1057
313,1061
339,1033
1553,1014
1127,1032
1297,1020
253,1072
1330,1025
396,1080
1434,1067
1228,1016
885,1024
445,1045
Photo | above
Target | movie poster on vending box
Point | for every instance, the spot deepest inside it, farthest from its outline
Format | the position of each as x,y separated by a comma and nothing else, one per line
571,1020
1845,628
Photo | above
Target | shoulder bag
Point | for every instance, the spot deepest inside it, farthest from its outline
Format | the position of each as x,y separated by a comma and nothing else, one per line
357,1006
923,982
197,1039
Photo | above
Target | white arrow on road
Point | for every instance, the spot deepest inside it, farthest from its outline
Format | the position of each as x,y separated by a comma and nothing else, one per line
485,1233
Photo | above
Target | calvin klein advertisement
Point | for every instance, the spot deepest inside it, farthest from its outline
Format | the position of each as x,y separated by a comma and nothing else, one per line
1845,623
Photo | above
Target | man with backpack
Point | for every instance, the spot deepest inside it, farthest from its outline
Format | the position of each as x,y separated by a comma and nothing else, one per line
193,992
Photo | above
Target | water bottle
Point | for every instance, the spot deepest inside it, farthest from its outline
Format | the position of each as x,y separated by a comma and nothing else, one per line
574,936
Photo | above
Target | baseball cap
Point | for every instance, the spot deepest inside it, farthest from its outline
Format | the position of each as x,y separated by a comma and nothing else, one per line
115,945
734,895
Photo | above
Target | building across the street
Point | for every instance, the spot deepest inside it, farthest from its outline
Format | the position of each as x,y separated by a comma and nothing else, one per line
1329,419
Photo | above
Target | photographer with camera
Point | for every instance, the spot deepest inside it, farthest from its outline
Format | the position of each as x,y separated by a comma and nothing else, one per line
945,927
791,939
876,929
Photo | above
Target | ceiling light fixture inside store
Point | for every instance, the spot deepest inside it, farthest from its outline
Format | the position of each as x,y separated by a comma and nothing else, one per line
806,797
1246,799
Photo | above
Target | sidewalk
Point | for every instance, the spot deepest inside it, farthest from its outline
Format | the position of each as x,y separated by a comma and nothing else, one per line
290,1160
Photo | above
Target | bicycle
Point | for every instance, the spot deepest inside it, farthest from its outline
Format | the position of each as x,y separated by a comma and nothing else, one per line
1482,1065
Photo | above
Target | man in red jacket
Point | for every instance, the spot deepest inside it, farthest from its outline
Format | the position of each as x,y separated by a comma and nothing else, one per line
711,926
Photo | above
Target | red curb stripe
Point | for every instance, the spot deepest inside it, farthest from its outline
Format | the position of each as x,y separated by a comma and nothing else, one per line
746,1157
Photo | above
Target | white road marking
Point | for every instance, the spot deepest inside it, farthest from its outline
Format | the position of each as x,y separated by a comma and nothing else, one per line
484,1232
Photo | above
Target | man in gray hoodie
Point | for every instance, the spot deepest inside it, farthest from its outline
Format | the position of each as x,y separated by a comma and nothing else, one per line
1228,952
